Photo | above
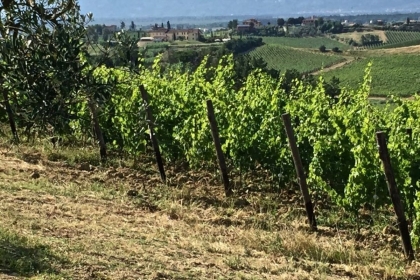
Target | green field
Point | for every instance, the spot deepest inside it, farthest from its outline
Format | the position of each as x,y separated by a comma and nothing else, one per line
307,43
282,58
396,74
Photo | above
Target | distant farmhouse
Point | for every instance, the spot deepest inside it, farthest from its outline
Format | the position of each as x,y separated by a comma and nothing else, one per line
251,22
242,28
309,21
248,24
167,35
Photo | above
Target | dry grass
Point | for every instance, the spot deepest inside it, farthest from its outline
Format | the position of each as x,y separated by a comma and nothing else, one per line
79,223
357,36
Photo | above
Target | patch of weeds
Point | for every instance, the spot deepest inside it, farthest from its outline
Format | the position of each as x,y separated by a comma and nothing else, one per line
89,156
236,263
154,200
57,157
264,204
244,276
264,222
19,255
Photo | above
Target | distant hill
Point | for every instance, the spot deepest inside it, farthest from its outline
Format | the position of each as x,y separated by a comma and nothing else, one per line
106,9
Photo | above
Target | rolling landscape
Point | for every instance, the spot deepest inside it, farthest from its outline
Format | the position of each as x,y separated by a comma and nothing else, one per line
209,140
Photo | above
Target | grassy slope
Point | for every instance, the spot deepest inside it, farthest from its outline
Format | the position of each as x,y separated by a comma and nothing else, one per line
282,58
391,74
307,42
82,225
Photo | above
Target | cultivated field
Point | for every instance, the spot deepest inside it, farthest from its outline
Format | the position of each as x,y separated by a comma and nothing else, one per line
307,43
65,220
398,37
390,39
395,73
283,58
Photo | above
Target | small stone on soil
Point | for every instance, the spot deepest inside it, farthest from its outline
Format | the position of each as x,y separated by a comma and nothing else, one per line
35,175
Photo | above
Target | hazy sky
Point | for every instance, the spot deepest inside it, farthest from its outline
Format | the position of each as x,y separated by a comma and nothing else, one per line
166,8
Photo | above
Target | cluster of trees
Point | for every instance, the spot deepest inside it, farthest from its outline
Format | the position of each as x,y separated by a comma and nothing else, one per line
329,26
323,48
97,31
50,70
369,39
243,45
295,21
233,24
168,25
132,26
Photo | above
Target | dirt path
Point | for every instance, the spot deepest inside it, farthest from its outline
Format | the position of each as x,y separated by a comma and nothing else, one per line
401,50
335,66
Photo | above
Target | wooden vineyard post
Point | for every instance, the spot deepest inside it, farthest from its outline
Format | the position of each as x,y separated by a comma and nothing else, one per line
409,133
413,170
155,143
219,152
98,130
299,171
394,194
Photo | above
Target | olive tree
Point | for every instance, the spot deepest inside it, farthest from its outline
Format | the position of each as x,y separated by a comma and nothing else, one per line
46,68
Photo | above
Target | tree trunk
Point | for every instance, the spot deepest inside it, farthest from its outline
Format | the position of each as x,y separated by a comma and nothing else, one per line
98,130
10,115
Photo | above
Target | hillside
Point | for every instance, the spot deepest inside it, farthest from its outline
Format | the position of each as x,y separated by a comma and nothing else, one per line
391,74
284,58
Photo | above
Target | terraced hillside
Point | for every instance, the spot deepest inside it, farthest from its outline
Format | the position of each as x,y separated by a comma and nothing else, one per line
283,58
393,39
401,39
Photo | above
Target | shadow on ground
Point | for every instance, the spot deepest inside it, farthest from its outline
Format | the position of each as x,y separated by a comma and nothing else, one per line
20,256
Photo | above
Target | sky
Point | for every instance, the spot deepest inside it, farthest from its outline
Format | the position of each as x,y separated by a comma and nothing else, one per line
202,8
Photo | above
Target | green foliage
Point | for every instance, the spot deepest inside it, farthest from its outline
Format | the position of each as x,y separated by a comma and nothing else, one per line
41,59
24,257
335,127
237,46
370,39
